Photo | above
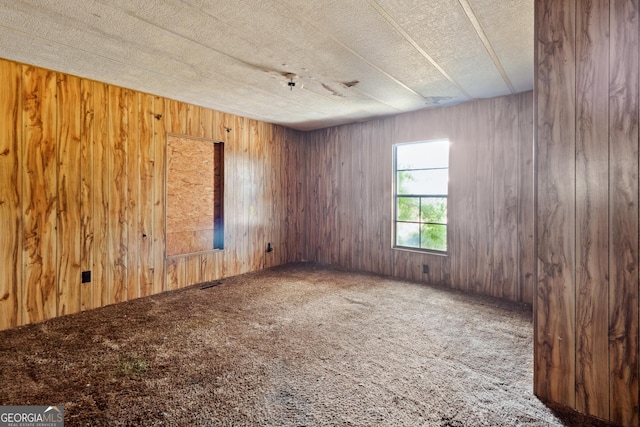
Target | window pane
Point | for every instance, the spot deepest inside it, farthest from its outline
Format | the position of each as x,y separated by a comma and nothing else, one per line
434,209
434,237
408,234
423,182
408,209
433,154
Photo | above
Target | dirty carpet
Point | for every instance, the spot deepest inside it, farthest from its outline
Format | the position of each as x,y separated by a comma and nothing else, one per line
299,345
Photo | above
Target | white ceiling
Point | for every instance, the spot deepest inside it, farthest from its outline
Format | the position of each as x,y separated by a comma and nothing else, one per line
351,60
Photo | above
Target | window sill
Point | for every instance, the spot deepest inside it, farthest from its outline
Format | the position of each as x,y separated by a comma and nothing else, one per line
420,251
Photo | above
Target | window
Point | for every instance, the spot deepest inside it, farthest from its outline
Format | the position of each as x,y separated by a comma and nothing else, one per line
421,174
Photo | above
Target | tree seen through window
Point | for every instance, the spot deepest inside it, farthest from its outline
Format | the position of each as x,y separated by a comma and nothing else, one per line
421,189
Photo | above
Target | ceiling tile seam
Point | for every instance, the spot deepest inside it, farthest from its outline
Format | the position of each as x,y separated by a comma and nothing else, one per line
331,97
233,58
468,10
357,55
416,46
375,98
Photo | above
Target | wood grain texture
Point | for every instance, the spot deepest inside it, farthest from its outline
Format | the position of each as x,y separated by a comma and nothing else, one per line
134,236
117,158
102,174
526,206
192,270
623,212
192,114
461,238
177,117
91,185
11,218
87,194
146,198
68,195
505,199
592,201
482,199
159,194
348,172
242,174
256,194
39,191
555,306
207,267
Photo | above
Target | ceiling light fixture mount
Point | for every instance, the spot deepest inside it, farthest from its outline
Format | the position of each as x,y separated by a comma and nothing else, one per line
291,77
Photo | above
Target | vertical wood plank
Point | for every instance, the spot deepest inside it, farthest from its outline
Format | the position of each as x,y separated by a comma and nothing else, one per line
233,195
39,206
270,188
102,178
69,228
192,270
87,191
296,203
346,226
218,265
206,123
461,235
192,114
207,267
623,212
554,371
134,235
383,157
256,194
481,187
592,199
242,174
118,232
505,199
526,207
159,194
146,200
11,218
173,280
177,112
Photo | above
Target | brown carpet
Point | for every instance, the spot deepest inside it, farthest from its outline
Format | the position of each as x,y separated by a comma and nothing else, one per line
300,345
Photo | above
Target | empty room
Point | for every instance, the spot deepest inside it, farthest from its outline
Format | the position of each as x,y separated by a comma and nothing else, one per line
319,213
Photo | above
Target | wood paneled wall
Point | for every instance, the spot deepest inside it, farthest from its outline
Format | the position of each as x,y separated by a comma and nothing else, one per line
82,187
348,203
586,337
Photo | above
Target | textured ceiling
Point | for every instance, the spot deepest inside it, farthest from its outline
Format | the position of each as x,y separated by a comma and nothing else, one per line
351,60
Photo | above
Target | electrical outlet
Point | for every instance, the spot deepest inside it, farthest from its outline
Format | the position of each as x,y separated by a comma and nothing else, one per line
86,276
